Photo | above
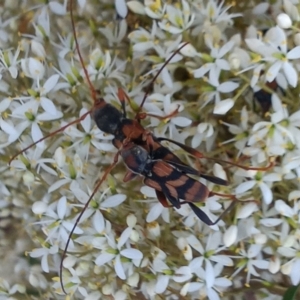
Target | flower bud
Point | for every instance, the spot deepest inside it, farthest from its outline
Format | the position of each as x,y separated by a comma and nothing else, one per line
38,49
274,265
131,220
153,229
133,280
28,178
107,289
284,21
39,207
60,157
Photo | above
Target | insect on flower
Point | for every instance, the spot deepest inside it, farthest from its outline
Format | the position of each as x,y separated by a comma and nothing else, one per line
169,179
143,153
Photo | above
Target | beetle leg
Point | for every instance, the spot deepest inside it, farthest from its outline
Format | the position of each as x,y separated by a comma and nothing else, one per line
129,176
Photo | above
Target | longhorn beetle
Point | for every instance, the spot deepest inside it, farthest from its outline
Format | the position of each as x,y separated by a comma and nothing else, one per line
169,180
143,153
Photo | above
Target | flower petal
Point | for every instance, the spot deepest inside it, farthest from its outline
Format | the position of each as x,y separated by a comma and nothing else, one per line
245,186
227,87
132,253
222,107
50,83
113,201
119,268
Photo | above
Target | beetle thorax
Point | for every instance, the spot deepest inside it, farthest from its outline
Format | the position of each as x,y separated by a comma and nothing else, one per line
135,158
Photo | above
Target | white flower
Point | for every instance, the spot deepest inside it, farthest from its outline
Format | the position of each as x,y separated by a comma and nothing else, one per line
66,44
93,210
291,9
277,37
33,160
89,136
100,62
30,117
252,261
212,247
238,56
33,68
148,288
114,252
189,51
40,94
263,180
207,283
171,123
55,224
10,62
214,89
289,125
214,18
102,66
204,132
178,19
72,283
164,275
42,26
215,61
113,34
156,209
275,51
164,52
44,253
142,39
72,172
240,131
293,263
285,209
68,72
37,279
4,33
277,133
154,9
9,291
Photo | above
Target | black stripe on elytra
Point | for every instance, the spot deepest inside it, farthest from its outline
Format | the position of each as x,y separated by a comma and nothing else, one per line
181,190
174,175
165,154
189,170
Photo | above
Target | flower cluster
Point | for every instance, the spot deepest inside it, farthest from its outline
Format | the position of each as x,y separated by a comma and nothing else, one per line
235,96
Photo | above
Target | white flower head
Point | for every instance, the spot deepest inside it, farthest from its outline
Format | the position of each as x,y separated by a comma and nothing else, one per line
178,18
